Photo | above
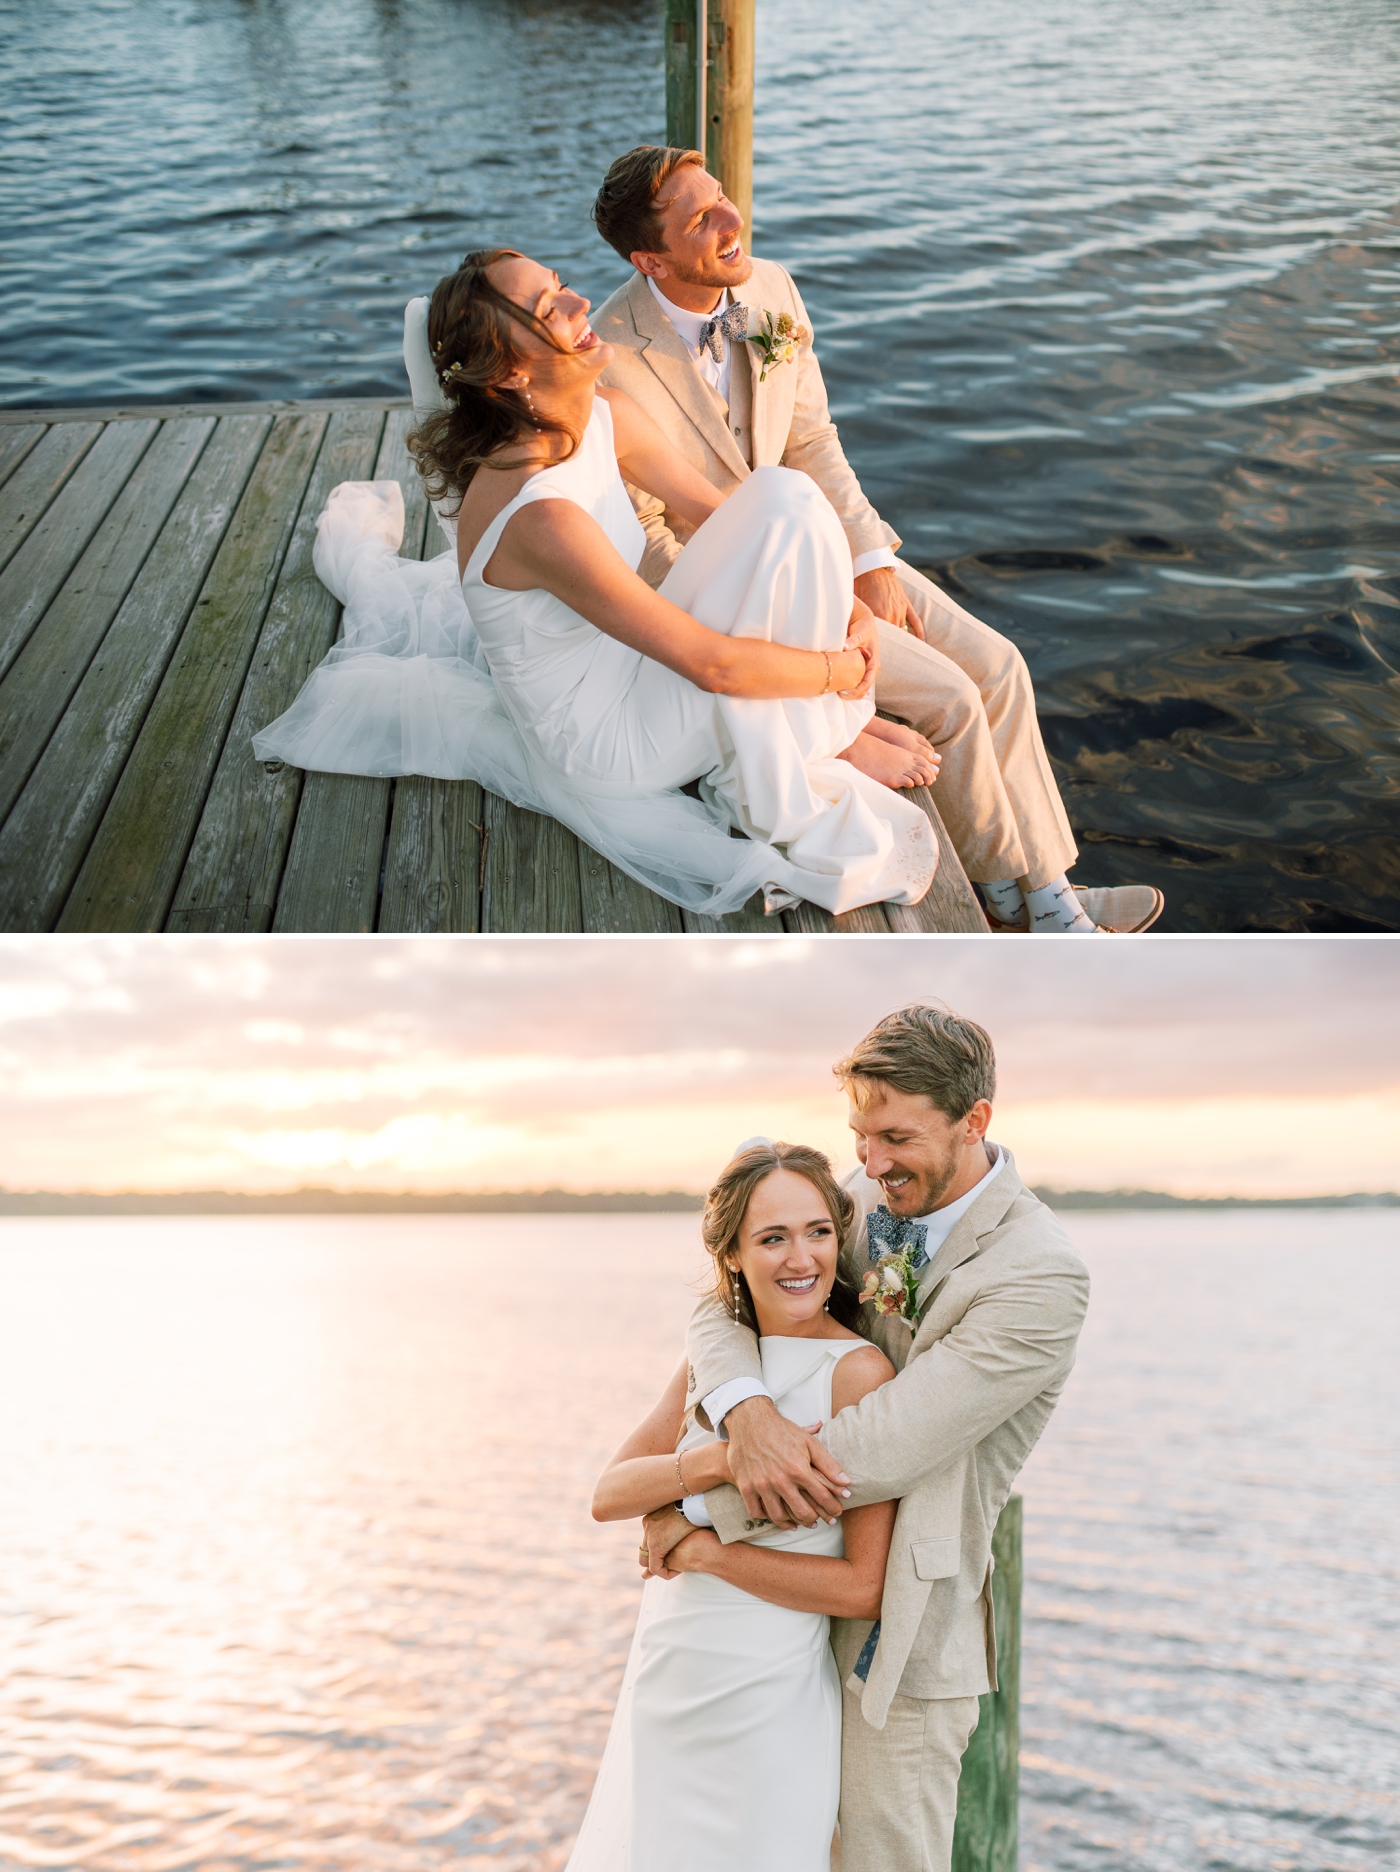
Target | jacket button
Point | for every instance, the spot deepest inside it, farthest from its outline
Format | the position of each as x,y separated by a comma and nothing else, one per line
748,1527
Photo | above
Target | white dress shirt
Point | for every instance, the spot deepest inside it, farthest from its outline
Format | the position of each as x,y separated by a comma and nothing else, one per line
689,326
716,1404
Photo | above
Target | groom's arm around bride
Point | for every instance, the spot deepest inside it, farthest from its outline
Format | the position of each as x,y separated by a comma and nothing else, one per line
997,1299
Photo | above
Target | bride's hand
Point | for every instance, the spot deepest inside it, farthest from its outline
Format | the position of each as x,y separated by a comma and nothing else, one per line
862,634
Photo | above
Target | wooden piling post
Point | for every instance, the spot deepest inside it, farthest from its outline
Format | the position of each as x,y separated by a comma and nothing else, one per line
985,1837
724,81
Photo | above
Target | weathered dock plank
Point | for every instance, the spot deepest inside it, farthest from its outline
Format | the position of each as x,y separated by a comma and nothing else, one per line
47,835
748,920
345,817
16,440
950,903
57,542
158,605
806,919
132,869
53,662
25,497
332,876
531,872
433,870
613,903
235,865
264,406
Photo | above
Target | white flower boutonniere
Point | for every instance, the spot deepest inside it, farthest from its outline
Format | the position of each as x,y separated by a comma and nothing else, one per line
892,1286
778,340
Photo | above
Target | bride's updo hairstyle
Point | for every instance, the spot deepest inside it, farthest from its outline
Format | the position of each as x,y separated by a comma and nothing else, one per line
471,333
727,1204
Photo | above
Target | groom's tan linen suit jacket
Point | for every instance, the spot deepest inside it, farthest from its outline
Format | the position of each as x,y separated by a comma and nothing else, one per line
783,421
1002,1304
967,688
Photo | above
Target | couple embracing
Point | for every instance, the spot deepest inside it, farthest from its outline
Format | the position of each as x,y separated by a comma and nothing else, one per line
671,610
821,1479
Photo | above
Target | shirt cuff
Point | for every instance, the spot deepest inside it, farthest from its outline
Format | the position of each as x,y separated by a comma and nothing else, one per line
873,561
718,1403
695,1511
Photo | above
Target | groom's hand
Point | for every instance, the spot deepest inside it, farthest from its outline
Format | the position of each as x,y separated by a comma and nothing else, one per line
781,1471
882,591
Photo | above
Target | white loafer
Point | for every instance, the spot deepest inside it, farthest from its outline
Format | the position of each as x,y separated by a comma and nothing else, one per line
1123,909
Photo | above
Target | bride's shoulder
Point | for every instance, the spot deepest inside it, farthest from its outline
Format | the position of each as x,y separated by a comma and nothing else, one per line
858,1373
621,409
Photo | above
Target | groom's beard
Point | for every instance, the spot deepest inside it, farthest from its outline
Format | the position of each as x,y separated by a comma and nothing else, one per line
711,276
924,1191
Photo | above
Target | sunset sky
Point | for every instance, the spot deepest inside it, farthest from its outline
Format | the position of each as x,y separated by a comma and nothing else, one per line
1201,1066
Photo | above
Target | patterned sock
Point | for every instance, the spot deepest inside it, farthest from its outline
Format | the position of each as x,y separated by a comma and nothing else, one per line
1055,910
1006,903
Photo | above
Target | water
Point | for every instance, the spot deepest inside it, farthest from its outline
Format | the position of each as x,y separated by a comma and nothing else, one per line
1105,293
297,1569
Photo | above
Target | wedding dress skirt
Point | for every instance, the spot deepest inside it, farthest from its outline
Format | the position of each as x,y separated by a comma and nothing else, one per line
725,1748
517,691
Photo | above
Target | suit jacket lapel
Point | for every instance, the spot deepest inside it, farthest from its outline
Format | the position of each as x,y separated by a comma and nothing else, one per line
963,1239
666,353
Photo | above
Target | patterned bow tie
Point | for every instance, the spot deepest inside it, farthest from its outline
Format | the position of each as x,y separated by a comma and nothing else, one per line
732,324
891,1234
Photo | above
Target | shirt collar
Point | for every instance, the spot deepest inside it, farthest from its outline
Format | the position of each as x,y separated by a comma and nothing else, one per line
941,1223
688,324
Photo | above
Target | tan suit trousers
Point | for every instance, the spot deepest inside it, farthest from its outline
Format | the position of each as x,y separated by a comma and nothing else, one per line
899,1784
968,691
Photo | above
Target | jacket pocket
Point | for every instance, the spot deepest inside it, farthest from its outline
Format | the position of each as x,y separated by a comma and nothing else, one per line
936,1559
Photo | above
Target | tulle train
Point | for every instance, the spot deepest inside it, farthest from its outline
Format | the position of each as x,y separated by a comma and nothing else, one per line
406,690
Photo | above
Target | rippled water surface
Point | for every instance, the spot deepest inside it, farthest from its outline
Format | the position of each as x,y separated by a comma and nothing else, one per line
1105,292
297,1569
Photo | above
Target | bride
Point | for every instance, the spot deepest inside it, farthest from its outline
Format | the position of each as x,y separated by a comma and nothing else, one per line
725,1750
749,671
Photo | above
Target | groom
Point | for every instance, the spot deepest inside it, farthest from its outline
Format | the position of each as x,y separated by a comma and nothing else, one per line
1000,1299
678,332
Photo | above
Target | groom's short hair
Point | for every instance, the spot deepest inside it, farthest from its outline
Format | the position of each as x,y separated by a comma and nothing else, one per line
625,209
928,1050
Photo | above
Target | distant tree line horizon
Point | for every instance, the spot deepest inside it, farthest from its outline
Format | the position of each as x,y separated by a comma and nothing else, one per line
312,1201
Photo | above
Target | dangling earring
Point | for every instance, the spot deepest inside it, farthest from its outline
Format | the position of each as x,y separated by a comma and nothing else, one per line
529,400
735,1279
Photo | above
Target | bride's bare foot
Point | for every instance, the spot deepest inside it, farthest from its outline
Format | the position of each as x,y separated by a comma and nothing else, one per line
900,736
895,756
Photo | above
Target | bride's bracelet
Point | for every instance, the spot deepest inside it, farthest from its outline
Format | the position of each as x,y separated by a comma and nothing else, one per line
860,651
679,1477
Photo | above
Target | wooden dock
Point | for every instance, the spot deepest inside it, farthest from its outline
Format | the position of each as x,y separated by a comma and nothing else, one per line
158,606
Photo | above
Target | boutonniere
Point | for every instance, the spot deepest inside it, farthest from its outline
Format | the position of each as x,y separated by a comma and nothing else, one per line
892,1285
778,340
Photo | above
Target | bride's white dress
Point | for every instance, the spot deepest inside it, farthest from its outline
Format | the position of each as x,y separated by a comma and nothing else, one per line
518,691
725,1748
